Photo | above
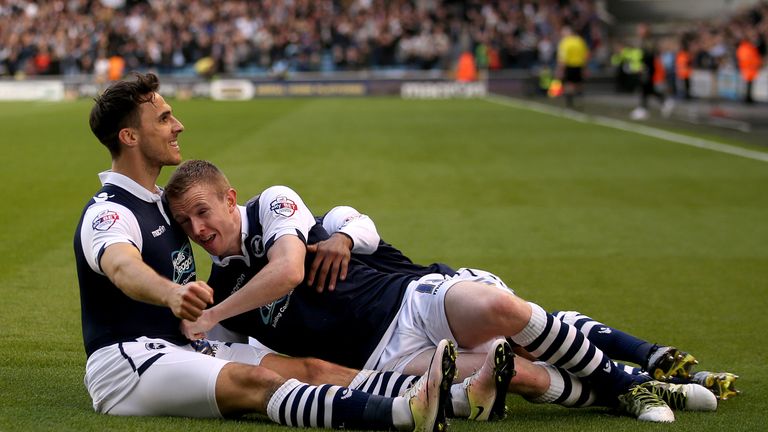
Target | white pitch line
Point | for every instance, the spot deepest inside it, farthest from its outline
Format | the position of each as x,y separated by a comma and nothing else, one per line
628,127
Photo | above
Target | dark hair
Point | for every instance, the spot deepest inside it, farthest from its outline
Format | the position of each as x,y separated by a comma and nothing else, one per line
194,172
118,108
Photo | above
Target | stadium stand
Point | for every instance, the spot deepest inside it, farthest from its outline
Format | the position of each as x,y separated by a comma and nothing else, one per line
70,37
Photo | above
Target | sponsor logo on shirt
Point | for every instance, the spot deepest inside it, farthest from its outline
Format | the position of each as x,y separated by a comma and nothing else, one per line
159,231
283,206
183,265
239,283
271,313
104,220
349,220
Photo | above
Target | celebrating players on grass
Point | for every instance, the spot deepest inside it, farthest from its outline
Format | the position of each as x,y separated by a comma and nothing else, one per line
259,254
137,282
355,233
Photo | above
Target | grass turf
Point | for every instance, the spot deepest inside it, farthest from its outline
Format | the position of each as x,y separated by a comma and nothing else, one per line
665,241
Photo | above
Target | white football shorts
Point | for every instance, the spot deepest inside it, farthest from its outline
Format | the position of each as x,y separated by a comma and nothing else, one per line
422,323
153,377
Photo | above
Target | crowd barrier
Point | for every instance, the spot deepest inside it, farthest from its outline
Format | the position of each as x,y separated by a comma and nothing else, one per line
724,84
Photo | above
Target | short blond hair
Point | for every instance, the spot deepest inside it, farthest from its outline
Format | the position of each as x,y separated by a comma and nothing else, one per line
194,172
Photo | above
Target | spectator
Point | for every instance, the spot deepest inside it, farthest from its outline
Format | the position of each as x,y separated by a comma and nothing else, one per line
683,65
749,62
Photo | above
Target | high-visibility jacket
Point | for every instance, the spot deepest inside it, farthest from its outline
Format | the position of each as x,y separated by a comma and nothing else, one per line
116,68
466,70
683,64
749,60
572,51
658,71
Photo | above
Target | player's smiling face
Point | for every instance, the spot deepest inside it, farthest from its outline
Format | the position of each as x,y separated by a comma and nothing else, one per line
210,218
159,132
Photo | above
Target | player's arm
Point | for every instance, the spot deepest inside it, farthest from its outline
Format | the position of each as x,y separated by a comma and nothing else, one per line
351,232
283,273
123,265
112,242
286,222
357,226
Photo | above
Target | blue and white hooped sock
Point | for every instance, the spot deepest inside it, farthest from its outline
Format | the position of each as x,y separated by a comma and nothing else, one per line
560,344
613,342
302,405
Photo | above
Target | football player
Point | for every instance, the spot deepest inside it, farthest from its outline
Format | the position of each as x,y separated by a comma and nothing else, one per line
371,319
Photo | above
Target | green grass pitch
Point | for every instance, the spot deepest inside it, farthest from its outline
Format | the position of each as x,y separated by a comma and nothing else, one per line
666,241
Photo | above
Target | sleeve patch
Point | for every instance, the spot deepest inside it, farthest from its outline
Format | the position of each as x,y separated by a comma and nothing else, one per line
350,219
104,220
283,206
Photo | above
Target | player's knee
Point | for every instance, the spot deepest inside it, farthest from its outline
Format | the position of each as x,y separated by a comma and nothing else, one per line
242,388
255,377
507,310
322,372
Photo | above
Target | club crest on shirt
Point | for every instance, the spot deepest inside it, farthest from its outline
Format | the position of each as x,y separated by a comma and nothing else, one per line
153,346
283,206
104,220
257,246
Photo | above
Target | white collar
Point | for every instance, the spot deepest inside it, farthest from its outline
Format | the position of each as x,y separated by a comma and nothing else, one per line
223,262
130,185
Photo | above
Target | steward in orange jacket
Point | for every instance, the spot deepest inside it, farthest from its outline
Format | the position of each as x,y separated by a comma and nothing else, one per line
749,61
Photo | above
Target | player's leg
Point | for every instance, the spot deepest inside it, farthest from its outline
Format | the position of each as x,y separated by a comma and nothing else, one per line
169,380
311,370
477,312
536,382
298,404
483,380
485,389
316,371
571,391
660,361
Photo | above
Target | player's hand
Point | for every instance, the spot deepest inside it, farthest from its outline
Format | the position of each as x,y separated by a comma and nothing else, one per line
198,329
189,301
331,261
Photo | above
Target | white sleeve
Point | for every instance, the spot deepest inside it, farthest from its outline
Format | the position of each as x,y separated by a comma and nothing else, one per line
282,212
105,224
359,227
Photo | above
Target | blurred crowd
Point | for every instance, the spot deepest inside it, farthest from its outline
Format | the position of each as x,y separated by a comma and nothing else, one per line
107,37
714,44
736,43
